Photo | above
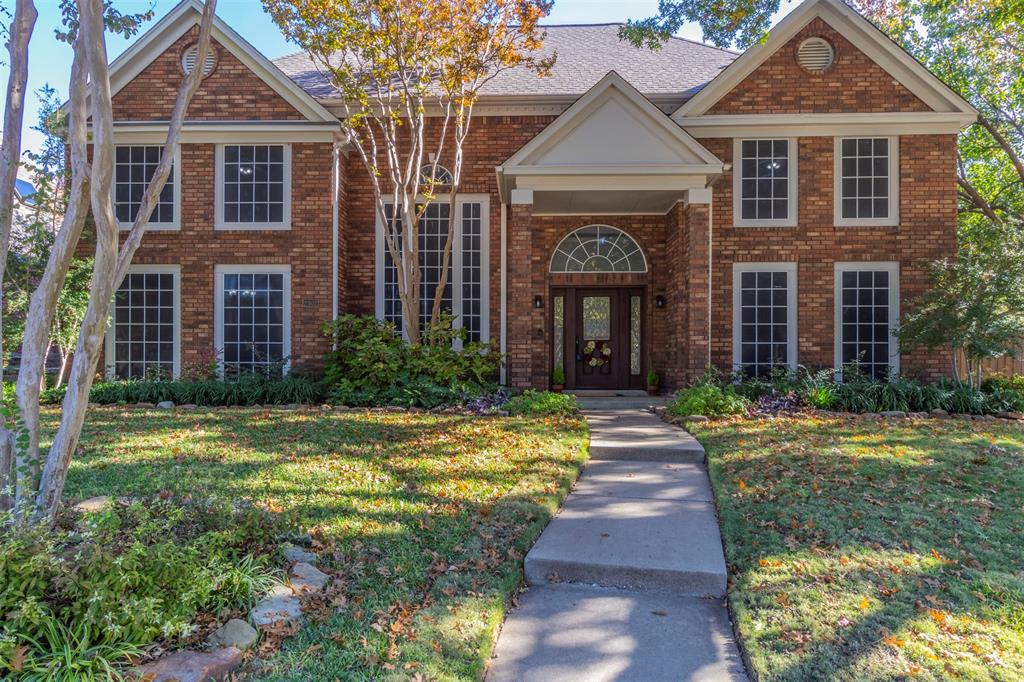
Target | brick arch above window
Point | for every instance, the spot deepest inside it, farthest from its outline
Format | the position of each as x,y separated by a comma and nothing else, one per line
598,248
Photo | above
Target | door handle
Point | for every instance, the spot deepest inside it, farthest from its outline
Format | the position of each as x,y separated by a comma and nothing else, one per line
579,356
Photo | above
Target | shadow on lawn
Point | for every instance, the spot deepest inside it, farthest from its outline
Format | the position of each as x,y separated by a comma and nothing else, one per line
927,516
412,510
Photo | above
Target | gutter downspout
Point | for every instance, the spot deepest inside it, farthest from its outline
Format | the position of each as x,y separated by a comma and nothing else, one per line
711,222
335,188
502,336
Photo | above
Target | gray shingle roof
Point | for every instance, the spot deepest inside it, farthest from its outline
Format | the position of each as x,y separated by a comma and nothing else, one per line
585,54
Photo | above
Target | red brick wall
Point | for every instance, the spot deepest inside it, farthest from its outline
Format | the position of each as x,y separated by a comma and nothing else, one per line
854,83
492,140
230,93
198,247
927,232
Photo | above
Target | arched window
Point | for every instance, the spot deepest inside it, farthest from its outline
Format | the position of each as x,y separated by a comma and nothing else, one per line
441,175
598,248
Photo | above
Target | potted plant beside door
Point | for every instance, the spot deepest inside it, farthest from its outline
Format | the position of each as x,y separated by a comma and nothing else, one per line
653,380
557,379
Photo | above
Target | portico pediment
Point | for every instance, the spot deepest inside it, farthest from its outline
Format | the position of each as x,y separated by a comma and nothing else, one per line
611,140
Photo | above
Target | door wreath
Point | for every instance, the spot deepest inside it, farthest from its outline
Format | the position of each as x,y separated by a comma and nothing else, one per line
596,353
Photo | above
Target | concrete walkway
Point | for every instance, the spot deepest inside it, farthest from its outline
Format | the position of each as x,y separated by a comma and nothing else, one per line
627,581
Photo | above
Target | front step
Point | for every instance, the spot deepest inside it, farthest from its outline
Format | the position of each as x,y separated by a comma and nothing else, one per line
637,435
648,544
574,633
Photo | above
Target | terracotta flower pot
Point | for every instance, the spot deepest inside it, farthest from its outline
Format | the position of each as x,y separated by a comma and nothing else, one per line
556,388
652,390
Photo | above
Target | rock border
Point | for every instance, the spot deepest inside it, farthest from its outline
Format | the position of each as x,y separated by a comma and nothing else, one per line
279,612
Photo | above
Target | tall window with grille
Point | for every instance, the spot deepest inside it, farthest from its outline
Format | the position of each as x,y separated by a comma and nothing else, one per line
765,183
253,319
464,295
866,187
254,186
142,338
867,298
764,317
134,166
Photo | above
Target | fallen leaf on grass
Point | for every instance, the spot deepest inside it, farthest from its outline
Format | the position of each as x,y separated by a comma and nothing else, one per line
864,604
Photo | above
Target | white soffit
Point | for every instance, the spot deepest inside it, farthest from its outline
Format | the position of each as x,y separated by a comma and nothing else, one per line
855,28
178,21
613,125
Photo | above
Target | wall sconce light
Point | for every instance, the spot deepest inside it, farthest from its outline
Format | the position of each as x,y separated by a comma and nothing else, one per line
538,302
659,301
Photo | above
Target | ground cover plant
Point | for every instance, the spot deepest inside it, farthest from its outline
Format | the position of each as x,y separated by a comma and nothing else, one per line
873,549
250,389
83,597
422,519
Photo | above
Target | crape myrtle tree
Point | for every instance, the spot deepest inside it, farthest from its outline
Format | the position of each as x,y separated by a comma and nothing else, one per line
976,47
408,74
37,482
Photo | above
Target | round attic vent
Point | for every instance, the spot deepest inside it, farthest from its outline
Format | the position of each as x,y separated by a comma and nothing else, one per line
188,60
815,55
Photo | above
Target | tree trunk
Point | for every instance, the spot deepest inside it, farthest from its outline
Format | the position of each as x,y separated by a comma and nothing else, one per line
64,353
109,265
20,33
42,377
43,303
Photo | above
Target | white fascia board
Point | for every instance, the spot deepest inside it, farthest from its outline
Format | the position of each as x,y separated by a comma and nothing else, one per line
212,132
615,170
615,183
826,125
855,28
184,16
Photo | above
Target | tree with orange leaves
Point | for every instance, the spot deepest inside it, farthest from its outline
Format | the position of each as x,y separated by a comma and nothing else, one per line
397,64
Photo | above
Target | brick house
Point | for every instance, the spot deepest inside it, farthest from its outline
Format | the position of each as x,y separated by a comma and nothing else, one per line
633,210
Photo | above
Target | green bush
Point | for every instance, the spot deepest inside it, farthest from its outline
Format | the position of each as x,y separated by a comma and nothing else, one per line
709,400
542,403
249,389
372,365
83,596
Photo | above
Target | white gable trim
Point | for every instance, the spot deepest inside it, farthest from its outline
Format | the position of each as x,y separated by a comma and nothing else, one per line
855,28
571,118
184,16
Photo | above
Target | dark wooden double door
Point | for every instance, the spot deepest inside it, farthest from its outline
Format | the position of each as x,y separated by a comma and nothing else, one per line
598,334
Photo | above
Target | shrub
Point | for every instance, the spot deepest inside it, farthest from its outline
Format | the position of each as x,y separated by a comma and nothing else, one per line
558,376
542,403
709,400
82,597
372,365
249,389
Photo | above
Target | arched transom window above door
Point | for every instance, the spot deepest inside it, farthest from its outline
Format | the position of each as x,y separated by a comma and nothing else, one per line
598,248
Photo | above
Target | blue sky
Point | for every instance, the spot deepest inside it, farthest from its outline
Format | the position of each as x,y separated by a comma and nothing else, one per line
50,60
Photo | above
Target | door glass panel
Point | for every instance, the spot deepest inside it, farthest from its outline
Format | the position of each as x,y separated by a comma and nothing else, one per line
558,337
597,315
634,335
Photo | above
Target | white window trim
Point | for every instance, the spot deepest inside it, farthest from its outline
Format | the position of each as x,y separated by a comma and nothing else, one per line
175,224
893,219
456,277
218,305
791,304
108,344
737,184
219,222
893,268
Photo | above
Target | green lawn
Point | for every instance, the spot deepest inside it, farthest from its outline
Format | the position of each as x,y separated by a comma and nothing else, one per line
873,550
423,518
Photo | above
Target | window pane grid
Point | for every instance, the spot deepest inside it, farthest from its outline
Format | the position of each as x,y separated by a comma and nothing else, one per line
865,178
764,179
133,169
253,184
253,323
764,321
433,233
144,325
864,332
471,271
